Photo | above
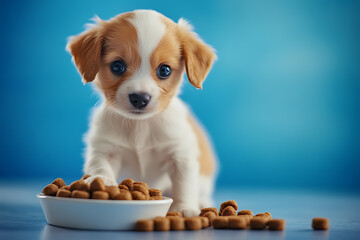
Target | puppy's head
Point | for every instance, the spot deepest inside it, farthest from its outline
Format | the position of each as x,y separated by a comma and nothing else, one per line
137,60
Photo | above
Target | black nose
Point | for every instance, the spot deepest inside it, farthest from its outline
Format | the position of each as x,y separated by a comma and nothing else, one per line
139,100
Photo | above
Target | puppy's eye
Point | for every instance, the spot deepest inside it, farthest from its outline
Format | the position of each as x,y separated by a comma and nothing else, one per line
163,71
118,67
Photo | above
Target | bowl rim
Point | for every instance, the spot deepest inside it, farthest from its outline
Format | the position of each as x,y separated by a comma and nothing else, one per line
99,201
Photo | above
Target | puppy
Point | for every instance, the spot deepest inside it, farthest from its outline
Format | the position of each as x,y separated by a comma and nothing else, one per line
142,130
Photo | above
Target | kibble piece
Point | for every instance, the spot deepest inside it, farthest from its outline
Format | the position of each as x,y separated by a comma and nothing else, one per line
211,216
204,222
79,185
50,190
266,215
80,194
97,185
235,222
63,193
136,195
220,222
142,189
113,191
144,225
276,224
210,209
245,212
246,218
127,182
193,223
258,223
100,195
155,192
85,176
176,223
161,224
59,182
123,195
155,198
143,183
228,211
319,223
65,187
229,203
121,186
173,214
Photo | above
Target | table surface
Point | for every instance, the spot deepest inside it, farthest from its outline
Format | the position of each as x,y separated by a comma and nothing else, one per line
21,216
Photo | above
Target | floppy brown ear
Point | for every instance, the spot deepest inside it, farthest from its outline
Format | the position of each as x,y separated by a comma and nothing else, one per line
86,51
198,56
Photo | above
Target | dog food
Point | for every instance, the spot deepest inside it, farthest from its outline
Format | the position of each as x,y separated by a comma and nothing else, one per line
173,214
161,224
211,216
103,195
210,209
220,222
80,194
258,223
245,212
193,223
144,225
228,211
98,190
231,203
266,214
319,223
204,222
235,222
177,223
276,224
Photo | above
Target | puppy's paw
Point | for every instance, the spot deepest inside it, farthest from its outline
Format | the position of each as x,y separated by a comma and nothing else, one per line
107,181
186,211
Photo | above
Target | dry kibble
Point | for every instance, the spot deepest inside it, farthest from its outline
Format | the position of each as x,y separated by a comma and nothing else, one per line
79,185
100,195
97,185
258,223
65,187
121,186
176,223
229,203
266,215
246,218
113,191
245,212
235,222
144,225
155,192
59,182
50,190
155,198
142,183
220,222
161,224
276,224
124,195
210,209
204,222
85,176
193,223
173,214
141,188
211,216
127,182
63,193
319,223
80,194
228,211
136,195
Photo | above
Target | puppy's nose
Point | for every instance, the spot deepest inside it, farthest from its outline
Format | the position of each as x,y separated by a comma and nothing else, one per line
139,100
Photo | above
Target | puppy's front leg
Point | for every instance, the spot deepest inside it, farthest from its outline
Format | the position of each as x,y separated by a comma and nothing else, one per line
185,187
99,164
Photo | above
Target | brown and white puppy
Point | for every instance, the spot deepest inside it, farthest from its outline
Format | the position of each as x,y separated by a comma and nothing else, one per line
142,130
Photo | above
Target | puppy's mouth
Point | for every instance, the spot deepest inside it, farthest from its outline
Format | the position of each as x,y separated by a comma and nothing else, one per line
138,111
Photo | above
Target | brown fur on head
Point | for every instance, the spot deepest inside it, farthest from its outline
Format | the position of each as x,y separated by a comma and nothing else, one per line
144,41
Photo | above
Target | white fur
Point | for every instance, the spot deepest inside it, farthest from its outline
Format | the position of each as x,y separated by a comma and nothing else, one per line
159,148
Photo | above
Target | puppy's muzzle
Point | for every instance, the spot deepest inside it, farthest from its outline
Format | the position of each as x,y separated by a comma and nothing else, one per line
139,100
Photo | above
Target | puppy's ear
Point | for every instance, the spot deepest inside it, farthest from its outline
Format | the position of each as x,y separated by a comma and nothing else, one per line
198,56
86,51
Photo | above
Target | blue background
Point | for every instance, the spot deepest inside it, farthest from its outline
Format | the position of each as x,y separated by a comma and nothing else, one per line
281,103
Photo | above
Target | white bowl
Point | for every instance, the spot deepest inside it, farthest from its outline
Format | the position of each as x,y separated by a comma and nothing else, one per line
100,214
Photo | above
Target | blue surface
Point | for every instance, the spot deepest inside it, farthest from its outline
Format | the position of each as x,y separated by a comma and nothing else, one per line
281,103
21,216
